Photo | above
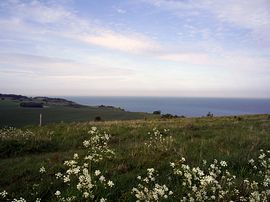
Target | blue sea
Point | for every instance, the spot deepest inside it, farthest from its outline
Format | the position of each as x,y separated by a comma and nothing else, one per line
189,107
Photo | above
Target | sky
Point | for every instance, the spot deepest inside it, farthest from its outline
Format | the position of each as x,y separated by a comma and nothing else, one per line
178,48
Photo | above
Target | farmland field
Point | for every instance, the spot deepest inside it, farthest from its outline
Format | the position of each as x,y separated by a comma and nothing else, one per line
11,114
137,146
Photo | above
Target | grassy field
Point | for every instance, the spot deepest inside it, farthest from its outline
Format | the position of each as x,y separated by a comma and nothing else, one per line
232,139
11,114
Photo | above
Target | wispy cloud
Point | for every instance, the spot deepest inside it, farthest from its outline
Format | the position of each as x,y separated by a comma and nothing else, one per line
71,26
248,14
129,43
37,11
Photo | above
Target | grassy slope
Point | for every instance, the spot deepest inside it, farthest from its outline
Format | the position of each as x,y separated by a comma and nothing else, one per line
225,138
11,114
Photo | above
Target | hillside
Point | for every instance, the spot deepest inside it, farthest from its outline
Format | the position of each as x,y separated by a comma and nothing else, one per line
56,110
138,145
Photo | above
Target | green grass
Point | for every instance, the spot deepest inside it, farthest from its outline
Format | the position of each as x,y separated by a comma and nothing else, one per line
224,138
11,114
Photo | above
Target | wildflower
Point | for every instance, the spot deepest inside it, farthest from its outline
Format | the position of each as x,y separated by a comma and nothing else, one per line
97,172
148,190
223,163
42,170
85,194
103,200
150,170
101,178
66,178
262,156
110,183
38,200
93,128
58,175
86,143
76,156
57,193
172,165
3,194
19,200
251,161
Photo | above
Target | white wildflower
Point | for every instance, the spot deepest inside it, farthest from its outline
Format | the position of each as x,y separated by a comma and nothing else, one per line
85,194
57,193
76,156
101,178
42,169
172,165
110,183
223,163
3,194
97,172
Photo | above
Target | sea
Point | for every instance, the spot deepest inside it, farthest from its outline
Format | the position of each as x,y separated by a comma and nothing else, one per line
189,107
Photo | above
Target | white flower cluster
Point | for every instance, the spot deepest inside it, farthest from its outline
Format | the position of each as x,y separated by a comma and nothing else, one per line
215,183
149,190
4,194
260,188
159,140
15,134
80,171
97,146
19,200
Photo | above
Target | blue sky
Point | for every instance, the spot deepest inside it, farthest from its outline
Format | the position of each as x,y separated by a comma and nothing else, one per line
185,48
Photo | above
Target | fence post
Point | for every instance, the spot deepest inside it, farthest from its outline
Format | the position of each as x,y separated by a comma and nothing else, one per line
40,119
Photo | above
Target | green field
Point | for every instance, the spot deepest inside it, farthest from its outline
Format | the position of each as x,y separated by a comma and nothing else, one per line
232,139
11,114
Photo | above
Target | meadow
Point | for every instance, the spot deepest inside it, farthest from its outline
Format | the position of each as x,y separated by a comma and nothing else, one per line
180,159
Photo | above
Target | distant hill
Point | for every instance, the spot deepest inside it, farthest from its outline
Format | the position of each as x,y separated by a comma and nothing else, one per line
19,111
39,99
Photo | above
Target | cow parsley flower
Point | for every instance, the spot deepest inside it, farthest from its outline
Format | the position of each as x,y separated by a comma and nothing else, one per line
42,170
3,194
110,183
57,193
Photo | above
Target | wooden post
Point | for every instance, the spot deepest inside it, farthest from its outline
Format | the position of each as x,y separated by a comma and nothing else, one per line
40,119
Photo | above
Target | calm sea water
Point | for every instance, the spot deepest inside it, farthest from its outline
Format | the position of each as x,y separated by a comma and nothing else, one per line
181,106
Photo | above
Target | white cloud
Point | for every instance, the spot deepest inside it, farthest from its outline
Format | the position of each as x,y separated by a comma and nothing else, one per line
128,43
71,26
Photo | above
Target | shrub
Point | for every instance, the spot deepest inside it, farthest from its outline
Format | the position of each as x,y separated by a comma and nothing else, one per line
158,112
168,116
209,114
98,118
31,104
